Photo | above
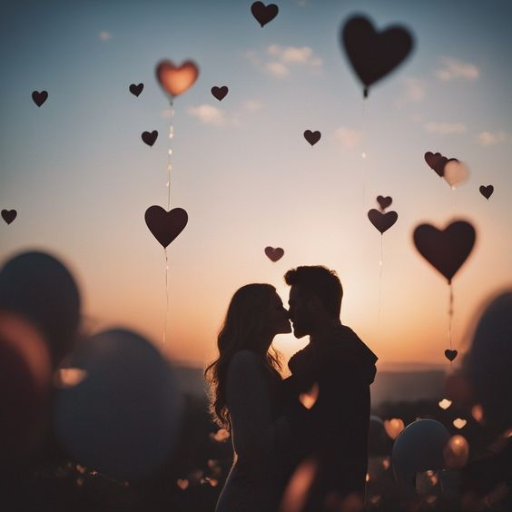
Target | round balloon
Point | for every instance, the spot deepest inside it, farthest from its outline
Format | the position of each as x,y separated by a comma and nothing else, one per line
420,447
40,288
122,417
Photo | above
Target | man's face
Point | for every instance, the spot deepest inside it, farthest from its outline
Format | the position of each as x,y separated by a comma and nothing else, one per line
299,313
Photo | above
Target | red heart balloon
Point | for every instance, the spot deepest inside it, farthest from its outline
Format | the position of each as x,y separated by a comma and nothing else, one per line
312,137
382,221
372,54
445,250
436,162
174,79
384,202
274,254
9,215
487,191
164,225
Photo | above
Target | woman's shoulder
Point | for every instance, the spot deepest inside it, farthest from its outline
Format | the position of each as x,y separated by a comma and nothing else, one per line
245,358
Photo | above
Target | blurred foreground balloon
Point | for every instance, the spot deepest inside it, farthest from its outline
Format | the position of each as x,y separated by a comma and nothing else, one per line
420,447
456,452
446,250
393,427
123,417
378,441
372,54
175,80
40,288
25,380
455,172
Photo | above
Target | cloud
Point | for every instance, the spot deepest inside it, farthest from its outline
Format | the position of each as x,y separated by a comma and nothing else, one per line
208,114
105,36
445,128
279,60
252,106
415,90
452,69
346,138
490,139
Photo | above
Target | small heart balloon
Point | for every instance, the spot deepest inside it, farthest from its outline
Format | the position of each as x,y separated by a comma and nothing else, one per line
436,162
372,54
136,89
312,137
450,354
9,215
486,191
264,13
455,172
175,80
459,423
220,92
39,97
382,221
445,250
274,254
384,202
164,225
149,137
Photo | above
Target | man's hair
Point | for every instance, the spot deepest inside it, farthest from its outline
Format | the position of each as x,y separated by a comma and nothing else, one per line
319,281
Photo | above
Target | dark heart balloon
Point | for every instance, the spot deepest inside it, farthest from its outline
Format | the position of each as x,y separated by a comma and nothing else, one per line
274,254
372,54
9,215
136,89
164,225
486,191
39,97
220,92
264,13
450,354
445,250
436,162
384,202
312,137
382,221
149,137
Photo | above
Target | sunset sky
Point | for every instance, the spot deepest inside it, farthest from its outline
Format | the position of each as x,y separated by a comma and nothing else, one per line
81,179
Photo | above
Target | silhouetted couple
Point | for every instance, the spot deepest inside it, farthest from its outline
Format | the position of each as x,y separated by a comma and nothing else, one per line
314,455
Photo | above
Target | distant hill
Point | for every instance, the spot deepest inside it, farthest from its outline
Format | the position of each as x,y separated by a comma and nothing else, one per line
397,385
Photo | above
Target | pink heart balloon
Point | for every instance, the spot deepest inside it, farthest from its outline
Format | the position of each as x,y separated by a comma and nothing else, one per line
175,80
164,225
455,172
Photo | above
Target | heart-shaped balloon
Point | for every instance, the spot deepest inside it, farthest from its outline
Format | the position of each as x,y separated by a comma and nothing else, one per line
384,202
264,13
455,172
372,54
436,161
39,97
312,137
136,89
446,250
450,354
164,225
149,137
220,92
174,79
274,254
9,215
382,221
486,191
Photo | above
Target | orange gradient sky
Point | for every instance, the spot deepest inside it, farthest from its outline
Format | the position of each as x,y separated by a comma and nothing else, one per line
80,177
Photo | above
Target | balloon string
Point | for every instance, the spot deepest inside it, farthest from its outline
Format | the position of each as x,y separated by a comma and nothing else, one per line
363,154
169,154
381,265
166,294
450,314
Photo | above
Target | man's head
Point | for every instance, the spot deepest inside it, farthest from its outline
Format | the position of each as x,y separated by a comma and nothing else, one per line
315,298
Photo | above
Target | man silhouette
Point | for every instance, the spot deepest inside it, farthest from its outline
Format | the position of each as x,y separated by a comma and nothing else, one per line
334,432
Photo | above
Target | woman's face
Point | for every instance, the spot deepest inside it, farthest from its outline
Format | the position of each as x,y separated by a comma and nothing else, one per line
278,318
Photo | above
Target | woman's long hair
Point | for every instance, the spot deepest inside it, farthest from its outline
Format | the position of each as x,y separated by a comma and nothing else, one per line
243,328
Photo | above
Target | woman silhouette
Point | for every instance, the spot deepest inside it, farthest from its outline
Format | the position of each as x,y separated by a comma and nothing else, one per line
246,399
